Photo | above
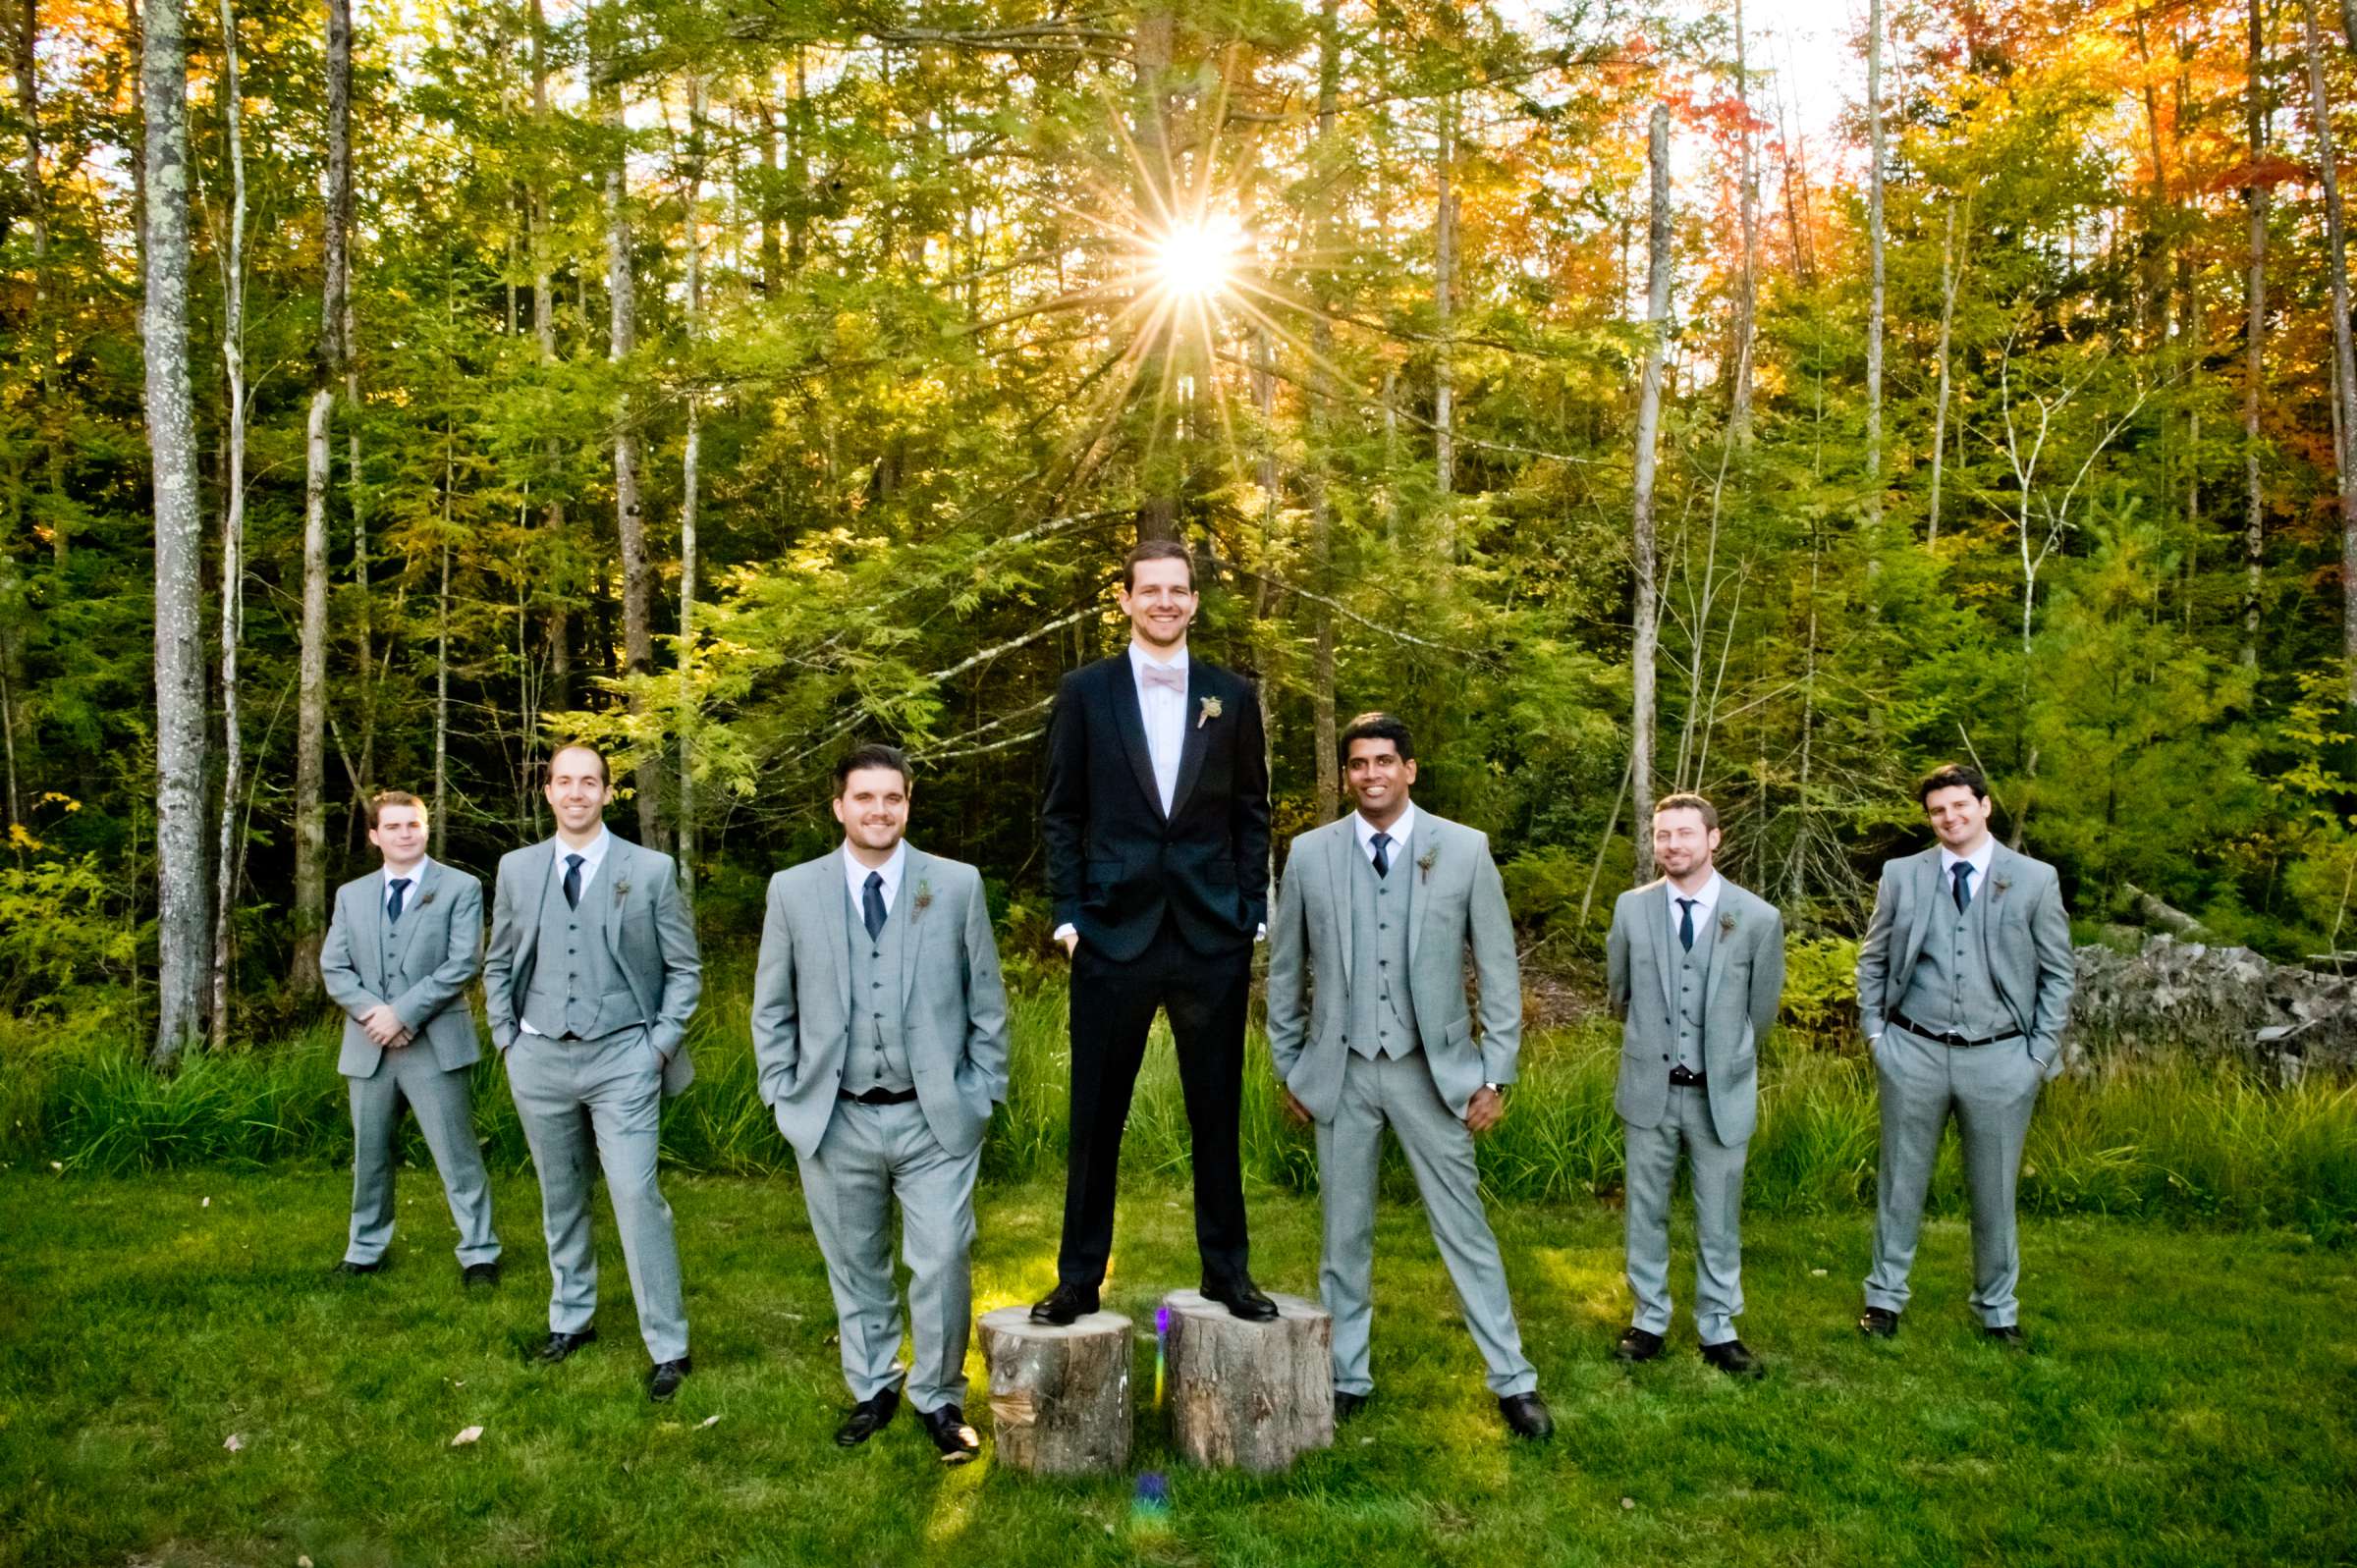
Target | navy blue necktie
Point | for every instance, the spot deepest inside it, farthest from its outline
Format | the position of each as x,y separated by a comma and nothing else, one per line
1383,856
572,882
1686,923
1962,872
871,907
401,885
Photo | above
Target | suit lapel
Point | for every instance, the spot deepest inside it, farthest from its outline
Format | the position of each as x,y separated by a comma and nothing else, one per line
406,928
1414,872
1342,842
912,878
527,920
1664,950
614,875
1193,735
372,931
1999,872
1132,723
1926,889
1721,940
838,900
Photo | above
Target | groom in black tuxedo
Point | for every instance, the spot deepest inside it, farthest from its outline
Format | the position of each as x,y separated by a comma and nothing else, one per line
1156,818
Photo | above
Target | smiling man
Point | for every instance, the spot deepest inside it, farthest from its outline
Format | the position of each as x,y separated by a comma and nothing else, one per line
1964,978
405,944
1369,1027
1156,820
590,981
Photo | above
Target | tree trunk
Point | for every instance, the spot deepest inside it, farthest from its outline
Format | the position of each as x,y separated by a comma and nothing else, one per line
311,702
1876,153
1324,725
233,523
1647,627
2253,346
1160,200
1248,1395
1059,1397
1747,278
689,465
1444,268
1951,269
182,901
637,572
2343,359
544,329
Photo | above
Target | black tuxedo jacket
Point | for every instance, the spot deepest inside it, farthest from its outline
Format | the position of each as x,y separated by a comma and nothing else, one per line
1116,863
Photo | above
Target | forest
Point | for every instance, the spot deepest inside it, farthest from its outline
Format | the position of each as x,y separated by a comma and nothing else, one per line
388,396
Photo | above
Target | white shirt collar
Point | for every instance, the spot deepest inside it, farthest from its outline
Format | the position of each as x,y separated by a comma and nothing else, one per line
1139,659
1979,858
854,874
1704,901
593,853
1400,831
415,874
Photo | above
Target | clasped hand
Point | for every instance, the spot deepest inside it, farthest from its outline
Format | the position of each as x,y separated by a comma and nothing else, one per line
385,1027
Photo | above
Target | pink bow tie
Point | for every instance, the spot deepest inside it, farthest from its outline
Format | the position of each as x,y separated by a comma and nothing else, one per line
1168,676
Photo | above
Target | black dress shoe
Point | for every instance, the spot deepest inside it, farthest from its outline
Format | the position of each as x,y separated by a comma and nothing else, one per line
1347,1405
2009,1335
664,1379
1064,1303
867,1418
958,1442
1734,1358
1879,1323
1637,1344
484,1274
348,1266
1243,1299
561,1345
1526,1415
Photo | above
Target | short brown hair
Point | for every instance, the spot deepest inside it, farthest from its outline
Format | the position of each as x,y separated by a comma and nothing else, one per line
1685,801
1951,776
605,770
393,797
1158,550
875,754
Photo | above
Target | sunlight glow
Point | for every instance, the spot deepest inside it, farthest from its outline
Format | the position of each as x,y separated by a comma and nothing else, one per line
1199,257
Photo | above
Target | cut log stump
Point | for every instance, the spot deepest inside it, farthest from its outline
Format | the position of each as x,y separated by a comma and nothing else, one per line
1059,1397
1252,1396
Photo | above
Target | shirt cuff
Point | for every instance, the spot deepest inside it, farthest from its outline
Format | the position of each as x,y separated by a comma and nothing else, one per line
1260,932
1067,929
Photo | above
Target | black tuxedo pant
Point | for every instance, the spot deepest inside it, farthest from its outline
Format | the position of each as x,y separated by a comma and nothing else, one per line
1114,1001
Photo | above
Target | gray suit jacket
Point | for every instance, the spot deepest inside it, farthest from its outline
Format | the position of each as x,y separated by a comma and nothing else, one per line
953,1005
2025,929
1742,989
648,934
1459,904
440,923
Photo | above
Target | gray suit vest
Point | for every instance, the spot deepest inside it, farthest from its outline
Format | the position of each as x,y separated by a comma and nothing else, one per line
877,1056
576,990
1952,988
1693,969
1383,1021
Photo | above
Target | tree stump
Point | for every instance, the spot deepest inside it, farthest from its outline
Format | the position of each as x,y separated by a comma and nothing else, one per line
1248,1394
1059,1397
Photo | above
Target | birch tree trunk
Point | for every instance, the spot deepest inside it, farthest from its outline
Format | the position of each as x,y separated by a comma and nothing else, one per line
233,523
1747,278
2345,361
1951,269
1323,723
1875,264
1649,422
310,701
182,900
690,460
2254,346
544,329
637,572
1444,269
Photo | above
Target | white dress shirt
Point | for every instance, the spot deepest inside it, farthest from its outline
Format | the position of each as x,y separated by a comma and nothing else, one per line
594,855
1704,901
855,874
408,896
1399,831
1165,714
1979,860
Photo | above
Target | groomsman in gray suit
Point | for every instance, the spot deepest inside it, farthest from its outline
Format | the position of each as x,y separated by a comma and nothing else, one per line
590,981
880,1025
1696,970
1368,1024
1964,978
403,945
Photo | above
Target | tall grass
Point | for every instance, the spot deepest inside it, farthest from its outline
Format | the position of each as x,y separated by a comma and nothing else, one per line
2182,1140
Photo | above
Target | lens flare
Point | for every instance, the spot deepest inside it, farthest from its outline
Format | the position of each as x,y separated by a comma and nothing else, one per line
1198,257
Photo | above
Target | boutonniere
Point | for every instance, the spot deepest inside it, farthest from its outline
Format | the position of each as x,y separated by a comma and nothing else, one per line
622,890
1210,710
2003,883
1424,862
1726,921
425,899
924,896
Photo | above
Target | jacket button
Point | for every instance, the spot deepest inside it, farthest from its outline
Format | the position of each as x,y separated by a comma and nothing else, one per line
1665,1056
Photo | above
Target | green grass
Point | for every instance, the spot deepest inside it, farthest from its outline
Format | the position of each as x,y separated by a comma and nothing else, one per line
2190,1401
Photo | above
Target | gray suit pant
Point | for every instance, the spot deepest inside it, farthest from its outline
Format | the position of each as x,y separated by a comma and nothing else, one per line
412,1076
1439,1150
1717,1174
1992,1091
870,1154
589,1104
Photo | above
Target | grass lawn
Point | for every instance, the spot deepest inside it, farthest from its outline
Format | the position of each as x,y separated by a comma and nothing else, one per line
2193,1399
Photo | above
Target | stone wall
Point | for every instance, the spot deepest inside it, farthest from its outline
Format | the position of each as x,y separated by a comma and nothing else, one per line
2190,998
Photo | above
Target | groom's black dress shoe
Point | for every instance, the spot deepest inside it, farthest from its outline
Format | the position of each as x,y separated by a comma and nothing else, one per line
1637,1344
348,1266
958,1442
1526,1415
1347,1405
1243,1299
1064,1304
664,1379
2007,1334
479,1273
1879,1323
1734,1358
867,1418
561,1345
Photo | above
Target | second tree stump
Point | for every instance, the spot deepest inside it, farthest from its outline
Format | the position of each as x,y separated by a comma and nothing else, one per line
1253,1395
1059,1397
